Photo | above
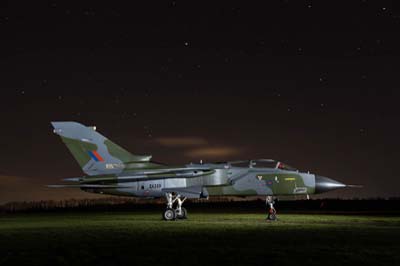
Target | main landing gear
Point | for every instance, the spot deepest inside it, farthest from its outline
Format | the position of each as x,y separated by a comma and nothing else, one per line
179,212
271,210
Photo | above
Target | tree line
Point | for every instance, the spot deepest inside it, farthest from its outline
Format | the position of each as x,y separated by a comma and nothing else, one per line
391,205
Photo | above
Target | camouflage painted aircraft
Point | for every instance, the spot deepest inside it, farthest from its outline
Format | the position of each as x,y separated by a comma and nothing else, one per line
110,169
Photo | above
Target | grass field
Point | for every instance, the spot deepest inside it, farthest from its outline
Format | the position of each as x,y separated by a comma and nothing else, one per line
204,239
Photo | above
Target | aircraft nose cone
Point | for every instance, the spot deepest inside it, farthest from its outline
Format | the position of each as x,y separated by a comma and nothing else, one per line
325,184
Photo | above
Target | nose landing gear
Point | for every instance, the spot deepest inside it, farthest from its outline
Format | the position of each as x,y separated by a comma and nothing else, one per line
271,210
179,212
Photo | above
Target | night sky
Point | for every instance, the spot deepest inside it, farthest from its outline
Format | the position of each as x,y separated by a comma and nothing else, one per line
314,84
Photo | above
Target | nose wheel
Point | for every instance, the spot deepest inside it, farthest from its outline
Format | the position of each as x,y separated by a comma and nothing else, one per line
271,210
179,212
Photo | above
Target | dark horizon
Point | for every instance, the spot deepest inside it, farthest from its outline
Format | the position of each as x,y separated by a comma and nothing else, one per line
314,86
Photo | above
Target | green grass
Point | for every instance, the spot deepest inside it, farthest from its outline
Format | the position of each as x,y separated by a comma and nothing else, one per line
204,239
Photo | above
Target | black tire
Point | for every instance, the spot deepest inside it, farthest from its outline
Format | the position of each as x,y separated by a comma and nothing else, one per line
183,214
169,214
272,215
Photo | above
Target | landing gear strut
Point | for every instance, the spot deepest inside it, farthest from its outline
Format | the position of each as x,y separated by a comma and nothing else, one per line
169,213
271,210
179,212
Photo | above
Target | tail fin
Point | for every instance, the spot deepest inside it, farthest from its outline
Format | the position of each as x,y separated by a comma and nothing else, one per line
94,152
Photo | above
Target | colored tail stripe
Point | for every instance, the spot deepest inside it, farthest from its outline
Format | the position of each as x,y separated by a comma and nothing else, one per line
95,156
98,156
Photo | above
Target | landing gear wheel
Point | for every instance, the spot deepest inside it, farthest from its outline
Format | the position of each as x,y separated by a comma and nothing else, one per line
272,215
183,214
169,214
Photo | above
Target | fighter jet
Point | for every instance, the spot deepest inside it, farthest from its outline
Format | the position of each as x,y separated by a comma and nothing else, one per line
110,169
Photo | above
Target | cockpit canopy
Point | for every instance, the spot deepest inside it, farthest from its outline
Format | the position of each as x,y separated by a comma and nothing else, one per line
262,163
